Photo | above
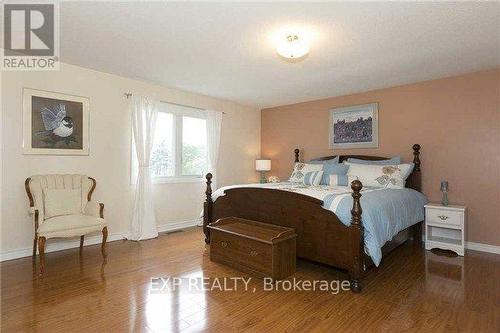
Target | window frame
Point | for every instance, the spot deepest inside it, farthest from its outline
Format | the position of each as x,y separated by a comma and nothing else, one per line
179,130
178,112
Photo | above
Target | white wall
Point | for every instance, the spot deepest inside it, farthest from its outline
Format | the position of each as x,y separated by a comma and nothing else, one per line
109,159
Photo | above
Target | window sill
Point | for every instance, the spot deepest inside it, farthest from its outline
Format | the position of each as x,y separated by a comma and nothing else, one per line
177,180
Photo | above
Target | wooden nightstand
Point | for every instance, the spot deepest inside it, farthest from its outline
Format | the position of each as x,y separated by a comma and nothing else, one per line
445,227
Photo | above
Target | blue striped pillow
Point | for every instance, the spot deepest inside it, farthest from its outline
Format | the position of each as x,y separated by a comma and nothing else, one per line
313,178
333,167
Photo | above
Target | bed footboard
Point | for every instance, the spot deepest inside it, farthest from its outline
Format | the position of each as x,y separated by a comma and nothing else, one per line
321,236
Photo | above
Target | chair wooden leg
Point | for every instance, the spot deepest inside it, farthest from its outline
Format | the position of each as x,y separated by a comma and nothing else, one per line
41,250
81,242
104,238
35,244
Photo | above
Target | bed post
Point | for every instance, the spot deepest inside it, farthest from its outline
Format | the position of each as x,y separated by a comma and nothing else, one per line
357,240
296,151
417,185
416,170
207,208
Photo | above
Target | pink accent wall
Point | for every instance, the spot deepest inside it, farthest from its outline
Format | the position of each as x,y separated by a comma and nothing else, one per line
456,121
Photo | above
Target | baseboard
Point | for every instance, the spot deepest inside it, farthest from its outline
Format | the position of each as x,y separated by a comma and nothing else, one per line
482,247
64,244
167,227
173,226
59,245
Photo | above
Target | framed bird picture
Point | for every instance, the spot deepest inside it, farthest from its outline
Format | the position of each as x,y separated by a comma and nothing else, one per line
54,123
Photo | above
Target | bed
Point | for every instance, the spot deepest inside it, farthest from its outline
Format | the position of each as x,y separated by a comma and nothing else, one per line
327,220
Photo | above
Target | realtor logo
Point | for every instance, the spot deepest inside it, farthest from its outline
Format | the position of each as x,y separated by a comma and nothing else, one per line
31,36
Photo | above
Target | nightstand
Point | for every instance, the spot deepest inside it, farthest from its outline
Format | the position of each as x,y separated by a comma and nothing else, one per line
445,227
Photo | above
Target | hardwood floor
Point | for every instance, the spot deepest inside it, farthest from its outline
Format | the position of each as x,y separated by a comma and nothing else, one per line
413,290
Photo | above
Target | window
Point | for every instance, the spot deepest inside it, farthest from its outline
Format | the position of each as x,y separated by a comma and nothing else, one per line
163,152
194,146
179,150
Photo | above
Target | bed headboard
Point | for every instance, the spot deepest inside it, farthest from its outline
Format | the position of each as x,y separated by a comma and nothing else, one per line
414,181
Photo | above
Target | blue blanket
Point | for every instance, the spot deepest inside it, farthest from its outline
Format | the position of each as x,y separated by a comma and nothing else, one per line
385,213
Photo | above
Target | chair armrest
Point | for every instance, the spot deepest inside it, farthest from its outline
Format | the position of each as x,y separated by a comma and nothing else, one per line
33,210
36,213
94,209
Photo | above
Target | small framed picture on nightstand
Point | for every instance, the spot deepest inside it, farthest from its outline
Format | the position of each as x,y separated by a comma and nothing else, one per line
445,227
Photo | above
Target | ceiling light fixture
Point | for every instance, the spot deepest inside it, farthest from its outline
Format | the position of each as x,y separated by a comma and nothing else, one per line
293,47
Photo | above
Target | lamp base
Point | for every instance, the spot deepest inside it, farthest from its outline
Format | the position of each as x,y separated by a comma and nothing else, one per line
444,200
263,177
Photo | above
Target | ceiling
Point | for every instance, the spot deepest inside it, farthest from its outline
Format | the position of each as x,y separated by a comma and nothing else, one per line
225,49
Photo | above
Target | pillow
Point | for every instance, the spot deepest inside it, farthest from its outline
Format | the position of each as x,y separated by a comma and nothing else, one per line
338,169
392,161
333,166
313,178
332,160
408,172
337,180
62,202
386,176
301,169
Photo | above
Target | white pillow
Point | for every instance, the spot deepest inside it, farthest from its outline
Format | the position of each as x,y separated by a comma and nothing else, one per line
300,169
387,176
62,202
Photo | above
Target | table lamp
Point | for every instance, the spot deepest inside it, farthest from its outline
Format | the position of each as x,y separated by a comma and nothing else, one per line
262,166
444,189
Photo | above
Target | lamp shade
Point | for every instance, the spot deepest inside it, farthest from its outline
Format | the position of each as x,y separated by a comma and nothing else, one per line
262,165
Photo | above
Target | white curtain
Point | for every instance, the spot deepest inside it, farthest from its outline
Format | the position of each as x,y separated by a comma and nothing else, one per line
144,114
214,127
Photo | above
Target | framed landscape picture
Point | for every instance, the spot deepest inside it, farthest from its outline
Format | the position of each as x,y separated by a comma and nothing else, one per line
54,123
354,126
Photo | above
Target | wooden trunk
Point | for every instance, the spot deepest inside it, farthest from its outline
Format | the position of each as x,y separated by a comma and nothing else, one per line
260,249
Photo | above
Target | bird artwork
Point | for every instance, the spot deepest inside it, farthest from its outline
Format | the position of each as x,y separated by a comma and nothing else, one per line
58,126
55,123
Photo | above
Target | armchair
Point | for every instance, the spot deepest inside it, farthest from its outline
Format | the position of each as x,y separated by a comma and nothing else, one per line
61,207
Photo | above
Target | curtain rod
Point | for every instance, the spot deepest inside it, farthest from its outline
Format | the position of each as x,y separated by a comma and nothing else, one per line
186,106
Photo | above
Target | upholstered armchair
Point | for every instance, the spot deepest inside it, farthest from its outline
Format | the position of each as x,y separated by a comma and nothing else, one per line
61,207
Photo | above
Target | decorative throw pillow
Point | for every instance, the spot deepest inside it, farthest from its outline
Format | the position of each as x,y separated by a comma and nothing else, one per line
301,169
62,202
392,161
388,176
313,178
339,170
330,167
337,179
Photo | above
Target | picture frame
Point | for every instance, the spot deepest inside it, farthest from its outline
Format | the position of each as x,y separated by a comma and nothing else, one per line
55,123
354,127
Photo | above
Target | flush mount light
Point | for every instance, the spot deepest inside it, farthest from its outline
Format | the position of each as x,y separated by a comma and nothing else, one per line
292,47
